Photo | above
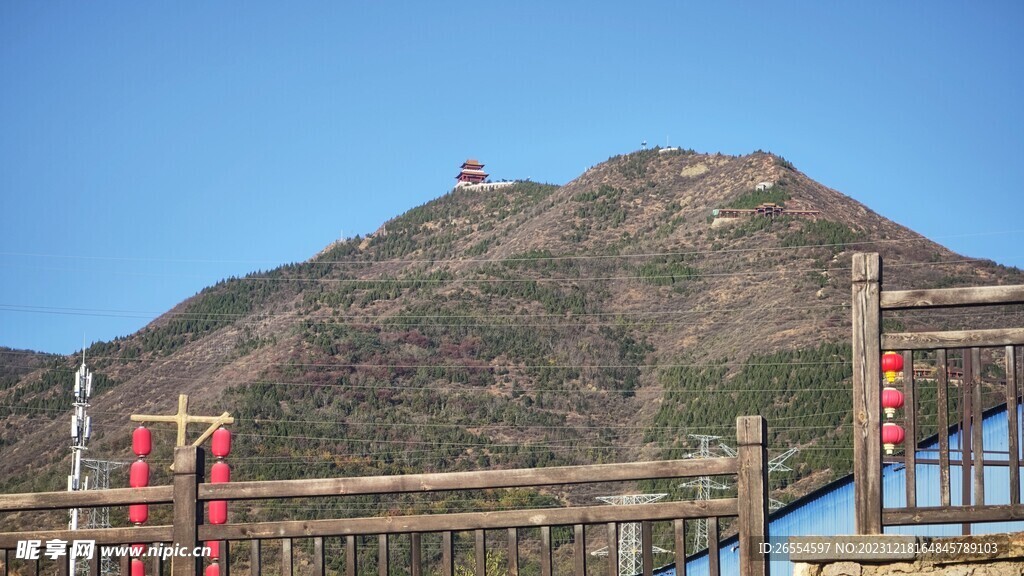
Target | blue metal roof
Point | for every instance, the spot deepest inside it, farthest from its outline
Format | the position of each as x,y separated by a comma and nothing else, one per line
829,511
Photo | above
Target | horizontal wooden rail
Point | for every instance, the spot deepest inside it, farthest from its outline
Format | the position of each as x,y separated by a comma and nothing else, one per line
947,297
952,339
555,475
472,520
85,498
952,514
100,535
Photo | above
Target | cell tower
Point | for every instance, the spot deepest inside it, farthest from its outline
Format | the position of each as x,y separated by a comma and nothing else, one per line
630,543
704,484
81,429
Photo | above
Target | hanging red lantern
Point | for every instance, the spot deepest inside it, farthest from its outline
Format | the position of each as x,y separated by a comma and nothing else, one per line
138,474
892,400
138,567
138,549
218,513
138,513
220,473
221,442
214,546
142,441
892,363
213,569
892,434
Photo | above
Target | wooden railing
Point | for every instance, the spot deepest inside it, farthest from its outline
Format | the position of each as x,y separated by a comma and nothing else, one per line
188,494
869,340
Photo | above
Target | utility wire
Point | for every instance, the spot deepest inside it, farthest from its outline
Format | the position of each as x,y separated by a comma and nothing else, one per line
915,238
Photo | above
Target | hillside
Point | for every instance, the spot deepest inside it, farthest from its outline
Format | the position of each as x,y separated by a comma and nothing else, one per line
15,364
602,320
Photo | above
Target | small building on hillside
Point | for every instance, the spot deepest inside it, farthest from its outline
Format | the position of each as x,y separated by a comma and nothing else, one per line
472,173
472,177
767,210
762,186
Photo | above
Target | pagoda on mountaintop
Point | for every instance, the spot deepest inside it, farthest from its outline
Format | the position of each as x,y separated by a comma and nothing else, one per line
472,173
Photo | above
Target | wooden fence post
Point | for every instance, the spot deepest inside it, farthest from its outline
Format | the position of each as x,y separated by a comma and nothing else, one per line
255,568
752,490
867,434
188,510
318,557
287,565
513,552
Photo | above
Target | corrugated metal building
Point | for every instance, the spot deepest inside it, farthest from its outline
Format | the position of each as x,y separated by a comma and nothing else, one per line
829,511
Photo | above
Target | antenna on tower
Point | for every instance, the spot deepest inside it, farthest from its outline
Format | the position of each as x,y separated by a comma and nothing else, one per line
81,429
630,542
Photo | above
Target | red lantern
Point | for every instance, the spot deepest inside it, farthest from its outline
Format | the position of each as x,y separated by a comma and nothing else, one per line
213,569
221,442
138,549
138,567
892,400
138,513
214,546
892,434
218,511
138,474
220,473
892,363
142,441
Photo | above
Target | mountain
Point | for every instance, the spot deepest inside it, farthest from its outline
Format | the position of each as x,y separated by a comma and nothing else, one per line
531,325
15,364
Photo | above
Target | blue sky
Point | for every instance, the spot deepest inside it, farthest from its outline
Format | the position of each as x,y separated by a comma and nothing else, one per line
149,149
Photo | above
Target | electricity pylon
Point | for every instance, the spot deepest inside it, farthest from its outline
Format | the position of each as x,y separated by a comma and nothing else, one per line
704,484
630,544
100,517
778,464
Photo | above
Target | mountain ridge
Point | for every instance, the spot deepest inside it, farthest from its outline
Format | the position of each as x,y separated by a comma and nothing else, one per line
531,325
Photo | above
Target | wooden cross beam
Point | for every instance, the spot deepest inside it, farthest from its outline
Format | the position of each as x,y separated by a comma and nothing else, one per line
183,419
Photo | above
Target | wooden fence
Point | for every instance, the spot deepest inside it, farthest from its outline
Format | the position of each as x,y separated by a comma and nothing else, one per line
188,493
868,304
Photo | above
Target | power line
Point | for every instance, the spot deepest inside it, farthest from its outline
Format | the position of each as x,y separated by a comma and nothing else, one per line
172,361
917,238
418,425
400,316
262,277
